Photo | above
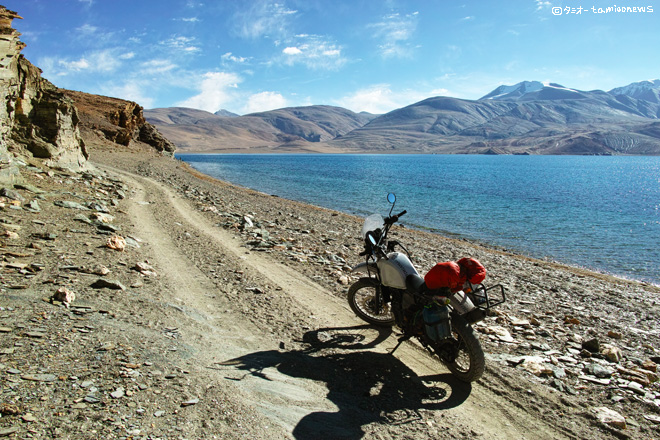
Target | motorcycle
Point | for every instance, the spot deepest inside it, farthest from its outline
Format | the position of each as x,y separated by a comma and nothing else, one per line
394,294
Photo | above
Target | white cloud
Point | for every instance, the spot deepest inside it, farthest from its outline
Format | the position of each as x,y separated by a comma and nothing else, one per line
314,52
127,56
189,19
132,91
264,101
234,59
380,98
78,65
542,4
104,61
292,51
394,32
263,18
87,29
215,91
439,92
185,44
157,66
101,61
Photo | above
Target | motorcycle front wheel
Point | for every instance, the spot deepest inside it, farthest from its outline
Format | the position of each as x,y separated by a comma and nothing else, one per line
462,354
366,300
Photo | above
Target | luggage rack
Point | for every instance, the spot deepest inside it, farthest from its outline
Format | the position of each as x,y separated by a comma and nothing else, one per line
486,298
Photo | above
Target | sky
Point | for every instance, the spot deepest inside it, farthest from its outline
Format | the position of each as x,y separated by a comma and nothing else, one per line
246,56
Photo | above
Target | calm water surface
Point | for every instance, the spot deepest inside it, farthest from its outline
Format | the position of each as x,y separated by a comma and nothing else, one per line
602,213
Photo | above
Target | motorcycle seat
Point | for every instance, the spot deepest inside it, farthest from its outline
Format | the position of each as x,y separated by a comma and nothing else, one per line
415,284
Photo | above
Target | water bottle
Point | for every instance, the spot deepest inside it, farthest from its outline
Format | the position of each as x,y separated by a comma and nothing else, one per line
436,321
461,302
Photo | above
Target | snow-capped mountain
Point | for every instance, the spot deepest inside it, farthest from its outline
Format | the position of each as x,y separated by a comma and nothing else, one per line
533,91
647,90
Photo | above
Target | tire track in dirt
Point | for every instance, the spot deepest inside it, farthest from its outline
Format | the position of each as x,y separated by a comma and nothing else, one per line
284,398
222,332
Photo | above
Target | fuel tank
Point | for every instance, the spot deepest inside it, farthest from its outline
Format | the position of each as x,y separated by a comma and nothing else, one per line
395,269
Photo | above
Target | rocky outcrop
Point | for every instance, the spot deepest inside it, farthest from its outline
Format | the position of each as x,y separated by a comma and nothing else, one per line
36,119
118,121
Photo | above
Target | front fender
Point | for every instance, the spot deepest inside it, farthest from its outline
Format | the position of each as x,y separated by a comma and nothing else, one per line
369,267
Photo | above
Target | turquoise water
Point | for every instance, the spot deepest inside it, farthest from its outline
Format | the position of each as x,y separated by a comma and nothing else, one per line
601,213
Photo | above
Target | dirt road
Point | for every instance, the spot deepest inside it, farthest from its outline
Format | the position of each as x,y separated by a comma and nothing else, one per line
297,355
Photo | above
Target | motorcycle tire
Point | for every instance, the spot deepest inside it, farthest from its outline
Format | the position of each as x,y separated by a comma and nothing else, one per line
469,361
365,299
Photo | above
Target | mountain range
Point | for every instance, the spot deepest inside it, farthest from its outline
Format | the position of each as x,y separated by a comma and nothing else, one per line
530,117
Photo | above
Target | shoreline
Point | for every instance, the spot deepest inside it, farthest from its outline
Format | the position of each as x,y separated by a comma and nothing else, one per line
448,235
222,299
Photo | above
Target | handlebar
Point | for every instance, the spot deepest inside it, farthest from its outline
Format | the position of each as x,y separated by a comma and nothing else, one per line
393,219
375,240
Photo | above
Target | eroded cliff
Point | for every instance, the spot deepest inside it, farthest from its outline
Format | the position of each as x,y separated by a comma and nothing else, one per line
116,123
36,119
57,126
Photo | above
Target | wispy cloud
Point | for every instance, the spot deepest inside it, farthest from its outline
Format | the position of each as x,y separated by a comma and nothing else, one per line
263,101
394,33
229,57
314,52
542,4
187,19
263,18
89,35
104,61
156,66
131,91
87,29
216,90
181,43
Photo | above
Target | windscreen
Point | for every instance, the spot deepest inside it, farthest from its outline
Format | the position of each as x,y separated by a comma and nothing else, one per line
371,223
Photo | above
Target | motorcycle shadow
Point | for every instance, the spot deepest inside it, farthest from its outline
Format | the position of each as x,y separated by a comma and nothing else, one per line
366,386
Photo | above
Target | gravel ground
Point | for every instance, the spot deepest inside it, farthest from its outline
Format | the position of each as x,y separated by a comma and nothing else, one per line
224,316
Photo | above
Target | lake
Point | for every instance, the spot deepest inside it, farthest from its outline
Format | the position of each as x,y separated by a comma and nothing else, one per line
597,212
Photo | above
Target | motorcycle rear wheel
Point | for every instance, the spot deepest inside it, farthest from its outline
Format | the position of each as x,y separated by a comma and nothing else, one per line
366,300
467,358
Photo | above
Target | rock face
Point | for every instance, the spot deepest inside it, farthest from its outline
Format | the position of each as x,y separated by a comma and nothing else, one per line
37,119
117,121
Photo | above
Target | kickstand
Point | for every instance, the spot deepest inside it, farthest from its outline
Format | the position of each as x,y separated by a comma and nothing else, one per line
402,339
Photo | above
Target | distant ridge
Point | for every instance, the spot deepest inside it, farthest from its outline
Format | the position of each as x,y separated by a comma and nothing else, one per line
293,129
646,90
530,117
225,113
533,91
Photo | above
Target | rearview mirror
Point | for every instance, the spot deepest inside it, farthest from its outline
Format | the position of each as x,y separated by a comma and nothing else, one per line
391,198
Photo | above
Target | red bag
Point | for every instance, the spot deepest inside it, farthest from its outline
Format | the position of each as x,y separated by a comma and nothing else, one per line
475,271
454,274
